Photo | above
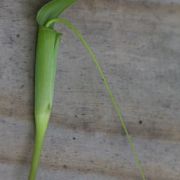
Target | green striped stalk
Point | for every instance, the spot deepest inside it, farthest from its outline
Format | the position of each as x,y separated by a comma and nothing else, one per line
46,55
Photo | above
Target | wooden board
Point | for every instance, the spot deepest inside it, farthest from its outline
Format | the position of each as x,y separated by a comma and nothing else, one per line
137,43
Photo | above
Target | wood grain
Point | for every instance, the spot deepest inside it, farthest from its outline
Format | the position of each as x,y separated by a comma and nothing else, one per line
137,43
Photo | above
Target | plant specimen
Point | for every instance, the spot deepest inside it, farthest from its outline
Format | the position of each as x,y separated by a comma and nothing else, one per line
45,70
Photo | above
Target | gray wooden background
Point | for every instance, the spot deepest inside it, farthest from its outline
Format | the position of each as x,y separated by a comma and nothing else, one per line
138,45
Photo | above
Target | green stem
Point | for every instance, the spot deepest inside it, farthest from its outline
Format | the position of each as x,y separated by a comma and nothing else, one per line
106,84
39,139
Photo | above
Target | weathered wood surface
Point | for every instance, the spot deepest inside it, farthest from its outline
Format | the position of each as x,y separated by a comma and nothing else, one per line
137,43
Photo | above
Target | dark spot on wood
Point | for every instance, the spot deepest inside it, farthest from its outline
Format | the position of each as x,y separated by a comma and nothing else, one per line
140,122
17,35
74,138
76,116
65,166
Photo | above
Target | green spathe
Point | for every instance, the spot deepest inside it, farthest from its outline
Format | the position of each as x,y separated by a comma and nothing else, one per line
45,70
